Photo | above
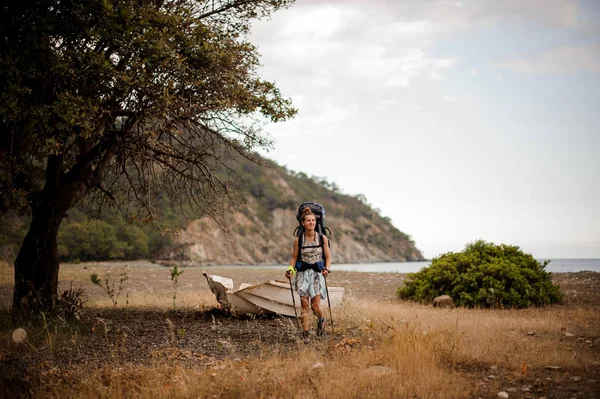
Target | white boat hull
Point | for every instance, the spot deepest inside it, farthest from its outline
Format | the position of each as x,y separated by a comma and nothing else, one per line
269,297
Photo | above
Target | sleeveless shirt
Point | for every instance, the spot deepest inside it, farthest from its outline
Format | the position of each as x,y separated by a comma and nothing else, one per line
312,251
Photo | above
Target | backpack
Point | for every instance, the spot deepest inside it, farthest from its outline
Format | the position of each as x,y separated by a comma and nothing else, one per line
320,229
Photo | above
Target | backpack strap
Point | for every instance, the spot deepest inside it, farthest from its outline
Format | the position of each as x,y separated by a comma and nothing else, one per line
300,243
321,244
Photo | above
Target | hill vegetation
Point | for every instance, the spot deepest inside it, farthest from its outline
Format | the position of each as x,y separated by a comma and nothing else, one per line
268,199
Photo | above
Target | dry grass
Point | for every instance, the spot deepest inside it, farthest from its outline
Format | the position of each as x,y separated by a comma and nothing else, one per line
384,349
400,362
395,370
185,299
400,351
504,338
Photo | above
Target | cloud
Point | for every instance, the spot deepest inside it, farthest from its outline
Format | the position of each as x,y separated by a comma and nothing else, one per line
352,40
558,60
451,99
388,43
439,16
410,28
456,100
397,106
550,12
313,23
316,119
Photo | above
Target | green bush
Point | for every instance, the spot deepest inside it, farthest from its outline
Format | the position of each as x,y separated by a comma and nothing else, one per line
484,275
92,240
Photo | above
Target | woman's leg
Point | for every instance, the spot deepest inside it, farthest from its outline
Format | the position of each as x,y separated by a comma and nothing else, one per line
304,300
316,306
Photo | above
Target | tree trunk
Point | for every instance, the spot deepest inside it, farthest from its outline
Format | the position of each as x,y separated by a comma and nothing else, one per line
36,265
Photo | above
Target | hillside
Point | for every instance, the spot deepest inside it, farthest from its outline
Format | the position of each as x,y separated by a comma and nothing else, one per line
257,231
260,230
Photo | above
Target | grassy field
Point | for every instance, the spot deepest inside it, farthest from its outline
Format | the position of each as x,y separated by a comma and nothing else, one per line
139,345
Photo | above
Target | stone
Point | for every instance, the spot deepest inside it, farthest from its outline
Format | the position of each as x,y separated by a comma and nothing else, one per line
443,301
569,335
502,394
530,332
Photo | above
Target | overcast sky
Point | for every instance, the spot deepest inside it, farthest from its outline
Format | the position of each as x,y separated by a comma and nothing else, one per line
460,120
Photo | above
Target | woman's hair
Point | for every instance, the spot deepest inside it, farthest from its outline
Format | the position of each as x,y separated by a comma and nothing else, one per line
307,212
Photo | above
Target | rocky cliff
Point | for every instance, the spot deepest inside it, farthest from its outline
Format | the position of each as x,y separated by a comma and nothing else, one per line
260,230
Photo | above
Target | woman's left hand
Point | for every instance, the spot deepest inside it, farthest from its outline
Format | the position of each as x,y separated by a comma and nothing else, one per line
325,272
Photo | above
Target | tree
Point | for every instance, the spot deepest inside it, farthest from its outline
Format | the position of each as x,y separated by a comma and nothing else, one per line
109,100
484,275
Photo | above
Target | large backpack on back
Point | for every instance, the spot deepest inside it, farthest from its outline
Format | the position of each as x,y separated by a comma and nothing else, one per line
319,212
320,227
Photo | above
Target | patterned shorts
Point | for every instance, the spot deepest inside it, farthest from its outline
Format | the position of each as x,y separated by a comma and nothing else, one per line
310,283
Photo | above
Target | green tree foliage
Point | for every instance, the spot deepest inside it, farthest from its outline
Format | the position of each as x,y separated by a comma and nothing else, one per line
124,102
484,275
102,241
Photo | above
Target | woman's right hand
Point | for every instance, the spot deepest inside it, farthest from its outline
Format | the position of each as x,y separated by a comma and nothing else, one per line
289,272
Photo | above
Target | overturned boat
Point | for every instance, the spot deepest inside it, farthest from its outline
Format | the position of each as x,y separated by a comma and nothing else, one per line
273,296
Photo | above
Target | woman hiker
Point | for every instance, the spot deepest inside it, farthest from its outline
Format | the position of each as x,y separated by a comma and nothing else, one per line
310,270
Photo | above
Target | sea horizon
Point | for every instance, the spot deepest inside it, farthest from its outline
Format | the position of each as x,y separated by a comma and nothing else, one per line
563,265
556,265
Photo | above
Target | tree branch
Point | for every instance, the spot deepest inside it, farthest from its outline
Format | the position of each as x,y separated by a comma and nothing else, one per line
226,7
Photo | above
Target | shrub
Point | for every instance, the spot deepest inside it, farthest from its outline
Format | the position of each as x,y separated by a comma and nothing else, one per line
175,273
108,285
484,275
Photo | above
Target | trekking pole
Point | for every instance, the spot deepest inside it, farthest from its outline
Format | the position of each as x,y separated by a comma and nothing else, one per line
329,303
294,302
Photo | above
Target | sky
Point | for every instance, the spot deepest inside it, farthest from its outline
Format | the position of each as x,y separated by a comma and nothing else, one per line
459,120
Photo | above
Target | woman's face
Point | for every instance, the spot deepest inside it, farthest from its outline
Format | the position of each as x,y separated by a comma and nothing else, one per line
309,222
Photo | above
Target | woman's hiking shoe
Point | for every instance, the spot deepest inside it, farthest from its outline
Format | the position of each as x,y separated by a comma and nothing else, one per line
321,327
305,337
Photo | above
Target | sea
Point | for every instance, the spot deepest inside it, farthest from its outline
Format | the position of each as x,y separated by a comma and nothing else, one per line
555,266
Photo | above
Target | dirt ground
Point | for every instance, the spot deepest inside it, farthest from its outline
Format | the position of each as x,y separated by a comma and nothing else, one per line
197,336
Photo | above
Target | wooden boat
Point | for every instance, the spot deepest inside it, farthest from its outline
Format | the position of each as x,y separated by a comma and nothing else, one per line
273,296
